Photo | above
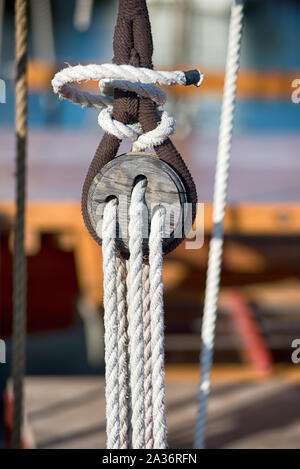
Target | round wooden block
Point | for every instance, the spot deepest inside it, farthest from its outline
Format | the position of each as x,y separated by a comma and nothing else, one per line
164,187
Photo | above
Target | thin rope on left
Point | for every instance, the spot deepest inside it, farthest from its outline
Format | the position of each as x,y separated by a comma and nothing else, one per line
19,275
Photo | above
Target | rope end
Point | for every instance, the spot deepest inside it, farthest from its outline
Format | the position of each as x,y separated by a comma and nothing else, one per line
193,77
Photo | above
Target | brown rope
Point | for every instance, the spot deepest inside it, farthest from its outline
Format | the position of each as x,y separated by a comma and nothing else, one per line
133,45
19,276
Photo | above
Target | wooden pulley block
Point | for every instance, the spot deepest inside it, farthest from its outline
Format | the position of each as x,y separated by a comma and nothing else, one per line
164,187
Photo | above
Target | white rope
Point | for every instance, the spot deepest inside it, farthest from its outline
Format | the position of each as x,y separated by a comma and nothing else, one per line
144,342
129,410
220,195
135,132
135,314
122,352
140,80
111,324
148,359
138,392
157,328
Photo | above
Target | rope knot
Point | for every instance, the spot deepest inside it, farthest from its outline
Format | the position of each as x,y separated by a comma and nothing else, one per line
139,80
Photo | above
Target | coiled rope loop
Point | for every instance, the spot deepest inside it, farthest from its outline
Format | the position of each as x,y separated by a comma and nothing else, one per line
139,80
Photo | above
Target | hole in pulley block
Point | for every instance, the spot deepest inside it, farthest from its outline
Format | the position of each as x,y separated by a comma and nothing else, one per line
137,179
111,197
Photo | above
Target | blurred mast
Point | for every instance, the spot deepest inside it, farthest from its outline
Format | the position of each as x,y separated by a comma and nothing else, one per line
83,14
2,10
42,30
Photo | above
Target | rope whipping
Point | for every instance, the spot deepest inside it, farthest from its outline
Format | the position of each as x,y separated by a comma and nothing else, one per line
133,297
219,204
19,261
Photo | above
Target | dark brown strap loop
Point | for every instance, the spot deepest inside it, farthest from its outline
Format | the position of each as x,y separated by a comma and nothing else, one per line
133,45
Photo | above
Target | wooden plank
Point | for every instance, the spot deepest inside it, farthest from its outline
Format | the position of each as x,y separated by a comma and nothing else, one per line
264,168
251,83
88,258
69,412
65,217
164,187
258,218
251,219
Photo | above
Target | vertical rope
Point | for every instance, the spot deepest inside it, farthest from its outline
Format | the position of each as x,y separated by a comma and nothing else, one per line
19,275
148,358
123,353
220,195
111,324
128,364
157,328
135,314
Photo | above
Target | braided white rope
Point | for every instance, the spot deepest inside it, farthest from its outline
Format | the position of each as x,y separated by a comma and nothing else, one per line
220,195
122,351
111,325
128,357
128,78
135,314
157,328
148,359
145,330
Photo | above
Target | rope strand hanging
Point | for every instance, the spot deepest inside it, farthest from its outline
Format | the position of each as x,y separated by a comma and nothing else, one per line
133,249
219,204
19,263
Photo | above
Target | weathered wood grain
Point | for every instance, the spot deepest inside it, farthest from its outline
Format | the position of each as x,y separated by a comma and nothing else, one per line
164,187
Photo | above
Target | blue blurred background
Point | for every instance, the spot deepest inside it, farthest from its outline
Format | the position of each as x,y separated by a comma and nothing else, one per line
191,33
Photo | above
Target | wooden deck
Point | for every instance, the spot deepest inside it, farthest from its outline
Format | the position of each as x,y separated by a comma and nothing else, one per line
264,168
262,225
244,412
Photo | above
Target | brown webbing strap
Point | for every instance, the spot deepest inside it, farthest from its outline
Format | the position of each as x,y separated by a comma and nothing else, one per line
133,45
